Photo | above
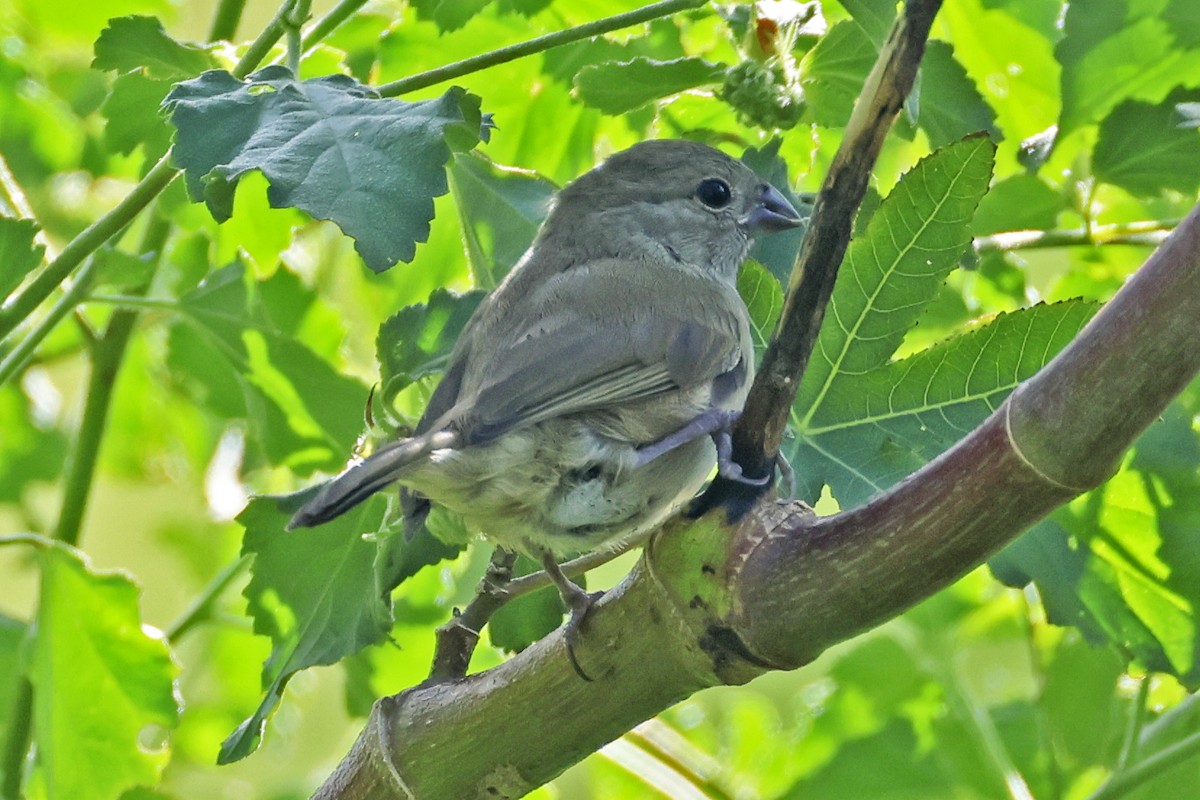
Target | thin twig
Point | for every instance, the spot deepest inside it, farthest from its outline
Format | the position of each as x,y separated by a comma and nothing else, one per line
456,640
201,608
538,45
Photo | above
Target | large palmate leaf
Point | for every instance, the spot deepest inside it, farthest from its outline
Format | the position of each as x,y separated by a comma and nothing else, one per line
328,146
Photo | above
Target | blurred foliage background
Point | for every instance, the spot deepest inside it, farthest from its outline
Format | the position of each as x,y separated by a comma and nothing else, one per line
1062,681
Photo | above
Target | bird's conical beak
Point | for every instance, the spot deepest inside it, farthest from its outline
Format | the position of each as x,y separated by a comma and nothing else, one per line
773,212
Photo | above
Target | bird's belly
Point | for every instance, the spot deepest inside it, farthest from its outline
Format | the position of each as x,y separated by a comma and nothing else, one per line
561,486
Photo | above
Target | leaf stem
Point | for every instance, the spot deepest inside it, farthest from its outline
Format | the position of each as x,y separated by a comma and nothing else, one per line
261,46
292,24
19,356
1121,783
86,243
1137,720
1149,233
226,19
326,24
201,608
537,45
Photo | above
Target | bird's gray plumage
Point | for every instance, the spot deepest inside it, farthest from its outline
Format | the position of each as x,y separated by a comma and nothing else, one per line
620,325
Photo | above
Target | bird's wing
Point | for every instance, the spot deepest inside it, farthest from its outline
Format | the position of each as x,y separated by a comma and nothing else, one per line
601,336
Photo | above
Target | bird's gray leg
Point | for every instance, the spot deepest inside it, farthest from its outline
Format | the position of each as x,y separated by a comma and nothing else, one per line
577,600
716,423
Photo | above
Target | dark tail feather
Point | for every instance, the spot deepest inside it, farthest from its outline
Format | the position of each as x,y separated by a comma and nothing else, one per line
364,479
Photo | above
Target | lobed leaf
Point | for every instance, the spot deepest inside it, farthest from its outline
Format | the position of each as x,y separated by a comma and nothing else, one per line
18,252
1146,149
140,43
328,146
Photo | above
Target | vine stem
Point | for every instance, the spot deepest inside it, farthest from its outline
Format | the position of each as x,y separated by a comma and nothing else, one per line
1149,233
538,45
21,353
226,19
201,608
1125,781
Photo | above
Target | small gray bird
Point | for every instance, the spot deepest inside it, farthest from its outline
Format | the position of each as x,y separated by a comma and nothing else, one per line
582,402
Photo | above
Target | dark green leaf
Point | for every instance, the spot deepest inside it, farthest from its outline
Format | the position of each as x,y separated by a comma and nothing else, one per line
139,42
313,592
660,44
18,253
99,680
833,72
951,106
450,15
1145,148
415,341
501,210
329,146
875,17
615,88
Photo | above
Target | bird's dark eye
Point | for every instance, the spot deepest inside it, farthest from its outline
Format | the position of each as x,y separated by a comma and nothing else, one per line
714,193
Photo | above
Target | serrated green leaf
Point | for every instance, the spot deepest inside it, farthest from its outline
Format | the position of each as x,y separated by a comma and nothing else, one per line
140,42
244,364
1146,148
450,15
763,296
501,210
660,44
313,592
833,72
951,106
615,88
329,146
131,114
888,276
99,678
1117,50
18,253
876,427
416,340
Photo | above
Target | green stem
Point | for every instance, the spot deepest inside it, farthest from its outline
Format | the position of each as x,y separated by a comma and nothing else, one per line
262,45
1152,766
19,356
1145,233
85,244
201,608
225,21
1137,720
17,743
326,24
292,23
538,45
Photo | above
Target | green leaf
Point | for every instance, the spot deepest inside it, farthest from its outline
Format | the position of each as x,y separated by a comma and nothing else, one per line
313,592
100,681
763,296
888,276
18,253
833,72
1019,203
131,114
875,17
450,15
951,106
615,88
138,42
660,44
30,450
501,209
248,363
1117,50
329,146
1120,562
416,340
1145,148
12,635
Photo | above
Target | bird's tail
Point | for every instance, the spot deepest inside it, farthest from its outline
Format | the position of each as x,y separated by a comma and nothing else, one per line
367,477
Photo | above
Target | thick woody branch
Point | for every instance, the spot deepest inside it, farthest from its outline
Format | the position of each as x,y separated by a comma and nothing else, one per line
759,431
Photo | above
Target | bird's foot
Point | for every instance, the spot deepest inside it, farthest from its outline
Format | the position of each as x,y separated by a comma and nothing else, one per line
578,602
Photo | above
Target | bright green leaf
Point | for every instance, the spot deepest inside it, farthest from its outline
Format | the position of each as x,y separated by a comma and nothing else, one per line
313,592
833,72
763,296
1019,203
329,146
131,114
18,253
138,42
501,209
101,683
951,107
416,341
450,15
1145,148
615,88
